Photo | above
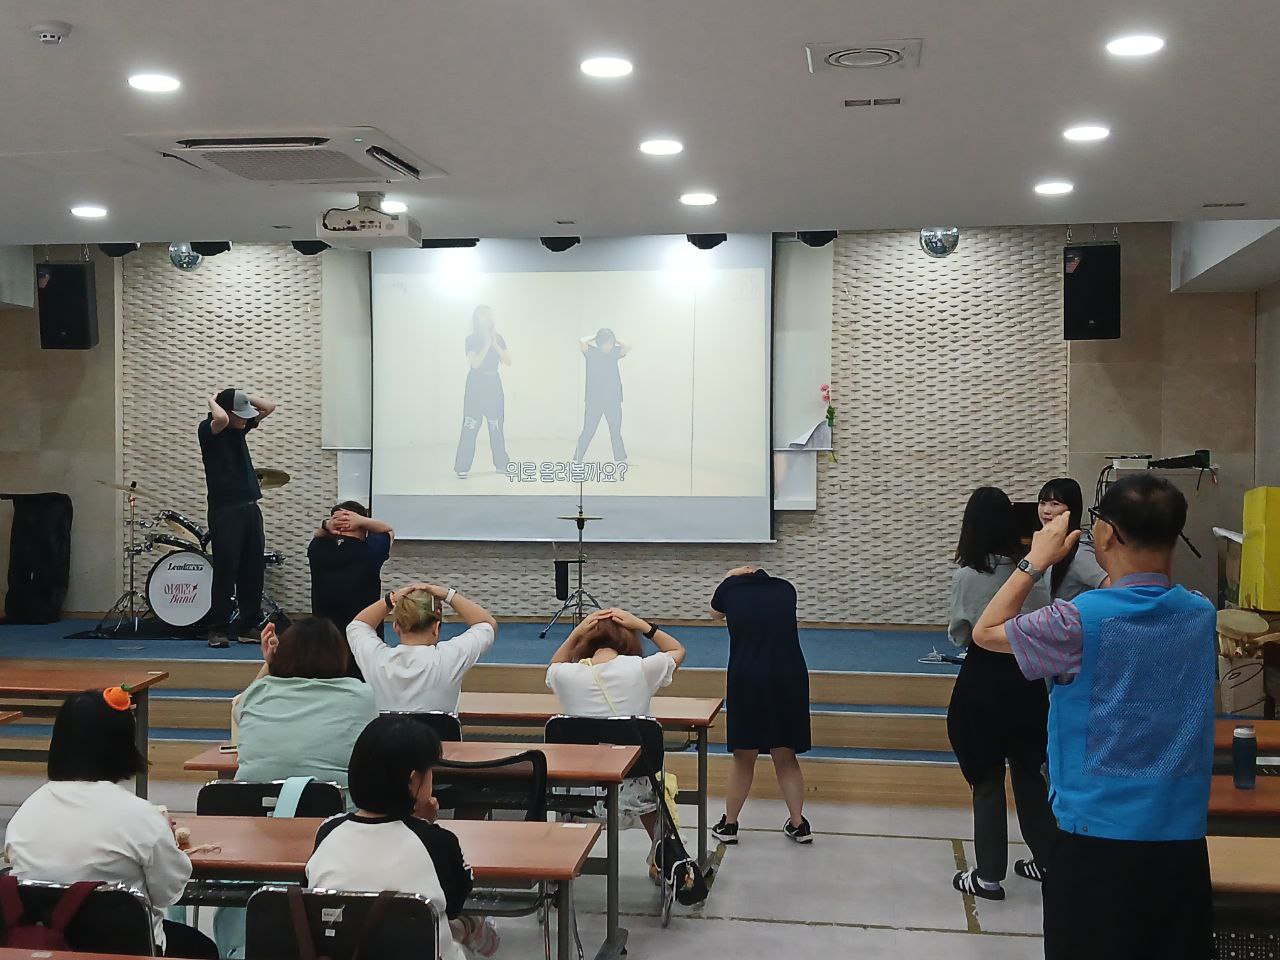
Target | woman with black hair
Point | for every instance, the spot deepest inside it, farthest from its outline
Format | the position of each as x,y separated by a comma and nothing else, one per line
83,825
603,391
391,841
996,716
1079,571
482,398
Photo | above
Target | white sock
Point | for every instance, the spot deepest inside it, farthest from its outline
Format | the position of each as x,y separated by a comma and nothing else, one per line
985,885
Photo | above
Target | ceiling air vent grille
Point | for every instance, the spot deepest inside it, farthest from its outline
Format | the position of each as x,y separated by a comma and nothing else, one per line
904,54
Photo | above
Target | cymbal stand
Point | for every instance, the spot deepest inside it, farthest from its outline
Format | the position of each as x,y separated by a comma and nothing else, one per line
578,599
131,605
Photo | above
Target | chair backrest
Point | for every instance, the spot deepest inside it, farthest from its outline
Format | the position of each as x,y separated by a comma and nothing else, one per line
113,919
444,725
644,732
243,798
405,930
517,782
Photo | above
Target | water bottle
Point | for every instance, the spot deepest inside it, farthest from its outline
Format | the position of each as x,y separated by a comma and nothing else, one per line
1244,757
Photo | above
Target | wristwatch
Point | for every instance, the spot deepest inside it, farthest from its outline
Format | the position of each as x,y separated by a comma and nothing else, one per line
448,597
653,628
1030,569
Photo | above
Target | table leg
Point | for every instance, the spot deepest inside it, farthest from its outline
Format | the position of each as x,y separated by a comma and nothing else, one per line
702,796
142,721
564,920
611,865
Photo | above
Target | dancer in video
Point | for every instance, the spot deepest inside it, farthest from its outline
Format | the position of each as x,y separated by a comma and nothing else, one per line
483,399
604,391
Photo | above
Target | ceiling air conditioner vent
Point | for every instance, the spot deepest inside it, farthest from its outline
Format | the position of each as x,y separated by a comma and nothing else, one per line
351,155
904,54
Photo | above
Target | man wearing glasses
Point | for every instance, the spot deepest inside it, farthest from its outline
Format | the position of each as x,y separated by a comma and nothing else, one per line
1132,670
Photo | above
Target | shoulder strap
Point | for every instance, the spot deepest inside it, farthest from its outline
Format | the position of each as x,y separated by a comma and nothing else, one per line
69,905
290,796
371,923
613,708
301,928
11,902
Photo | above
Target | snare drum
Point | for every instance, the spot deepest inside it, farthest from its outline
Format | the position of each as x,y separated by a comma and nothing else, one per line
180,587
167,540
184,527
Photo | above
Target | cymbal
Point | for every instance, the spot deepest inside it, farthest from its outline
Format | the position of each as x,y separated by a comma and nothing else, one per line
576,517
270,479
131,488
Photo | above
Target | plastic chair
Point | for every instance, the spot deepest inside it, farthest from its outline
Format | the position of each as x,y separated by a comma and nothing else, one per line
286,921
517,782
114,919
242,798
444,725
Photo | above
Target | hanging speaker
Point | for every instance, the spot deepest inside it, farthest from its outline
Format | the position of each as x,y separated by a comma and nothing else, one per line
1091,291
68,302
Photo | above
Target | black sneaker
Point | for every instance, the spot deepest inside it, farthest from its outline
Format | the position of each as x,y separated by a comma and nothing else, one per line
218,640
967,882
800,834
1028,870
724,831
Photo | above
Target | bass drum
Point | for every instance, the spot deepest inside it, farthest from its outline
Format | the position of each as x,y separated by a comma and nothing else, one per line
180,587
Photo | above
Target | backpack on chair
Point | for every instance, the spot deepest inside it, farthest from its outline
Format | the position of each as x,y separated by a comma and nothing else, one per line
40,936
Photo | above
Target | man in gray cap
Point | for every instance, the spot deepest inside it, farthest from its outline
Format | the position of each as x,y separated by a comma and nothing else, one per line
235,522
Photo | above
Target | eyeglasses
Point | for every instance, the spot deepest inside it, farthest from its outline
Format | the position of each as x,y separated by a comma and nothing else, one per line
1096,516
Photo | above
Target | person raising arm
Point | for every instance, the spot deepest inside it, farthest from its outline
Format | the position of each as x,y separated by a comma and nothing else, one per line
421,673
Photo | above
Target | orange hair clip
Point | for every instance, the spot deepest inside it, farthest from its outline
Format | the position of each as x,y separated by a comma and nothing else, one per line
118,698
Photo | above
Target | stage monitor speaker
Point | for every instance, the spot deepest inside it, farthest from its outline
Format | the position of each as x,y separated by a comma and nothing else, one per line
68,302
1091,291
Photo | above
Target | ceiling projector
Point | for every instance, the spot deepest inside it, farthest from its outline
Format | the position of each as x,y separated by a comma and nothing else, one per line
366,227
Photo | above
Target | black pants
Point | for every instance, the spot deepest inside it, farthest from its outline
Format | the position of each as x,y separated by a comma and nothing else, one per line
611,410
236,536
1127,900
485,402
184,941
991,819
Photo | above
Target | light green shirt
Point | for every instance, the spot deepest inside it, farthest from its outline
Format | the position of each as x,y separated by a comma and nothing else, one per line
298,727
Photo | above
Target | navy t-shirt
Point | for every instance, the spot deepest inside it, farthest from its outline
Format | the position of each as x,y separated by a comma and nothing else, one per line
346,574
604,382
228,468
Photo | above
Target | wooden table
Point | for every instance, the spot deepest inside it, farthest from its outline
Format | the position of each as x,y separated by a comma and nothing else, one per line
568,765
1244,813
57,684
1245,872
1268,732
270,849
10,716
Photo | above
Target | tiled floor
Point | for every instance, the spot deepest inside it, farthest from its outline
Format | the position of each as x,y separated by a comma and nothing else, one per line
875,883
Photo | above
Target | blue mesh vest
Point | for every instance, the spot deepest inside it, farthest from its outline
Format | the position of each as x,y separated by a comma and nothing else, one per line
1131,738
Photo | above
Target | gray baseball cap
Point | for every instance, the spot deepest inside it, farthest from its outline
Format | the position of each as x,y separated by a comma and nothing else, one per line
241,406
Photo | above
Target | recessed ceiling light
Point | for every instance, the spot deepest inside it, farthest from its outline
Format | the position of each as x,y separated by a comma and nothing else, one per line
394,206
606,67
661,148
88,211
698,199
1086,132
154,82
1138,45
1054,188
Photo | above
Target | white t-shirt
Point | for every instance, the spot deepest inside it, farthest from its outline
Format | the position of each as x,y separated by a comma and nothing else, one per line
414,676
629,684
407,856
71,830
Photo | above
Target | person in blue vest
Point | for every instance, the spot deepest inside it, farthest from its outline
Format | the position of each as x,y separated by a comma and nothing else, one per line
1130,731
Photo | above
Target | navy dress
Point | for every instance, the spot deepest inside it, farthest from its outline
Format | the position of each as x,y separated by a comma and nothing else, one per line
768,683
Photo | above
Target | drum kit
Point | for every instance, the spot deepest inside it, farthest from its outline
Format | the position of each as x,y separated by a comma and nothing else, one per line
178,589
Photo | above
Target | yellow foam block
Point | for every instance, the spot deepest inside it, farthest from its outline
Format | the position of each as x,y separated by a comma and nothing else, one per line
1260,558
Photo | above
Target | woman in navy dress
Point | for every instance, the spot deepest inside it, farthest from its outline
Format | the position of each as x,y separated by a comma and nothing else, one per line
768,693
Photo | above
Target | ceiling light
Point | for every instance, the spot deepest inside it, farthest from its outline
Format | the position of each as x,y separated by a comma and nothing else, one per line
394,206
1138,45
607,67
89,211
1086,132
154,82
1054,188
698,199
661,148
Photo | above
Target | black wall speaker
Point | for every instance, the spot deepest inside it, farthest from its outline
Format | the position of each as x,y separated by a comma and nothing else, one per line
1091,292
68,301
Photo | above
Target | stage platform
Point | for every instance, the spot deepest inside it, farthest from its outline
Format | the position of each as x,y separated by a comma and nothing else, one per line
878,714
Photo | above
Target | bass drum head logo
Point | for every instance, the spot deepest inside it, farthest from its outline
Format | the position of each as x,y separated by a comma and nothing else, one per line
180,587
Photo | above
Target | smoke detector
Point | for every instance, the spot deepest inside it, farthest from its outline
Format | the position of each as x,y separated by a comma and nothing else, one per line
904,54
52,32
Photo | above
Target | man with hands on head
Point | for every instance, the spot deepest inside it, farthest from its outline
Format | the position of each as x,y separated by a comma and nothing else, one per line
1131,712
423,672
235,522
346,555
